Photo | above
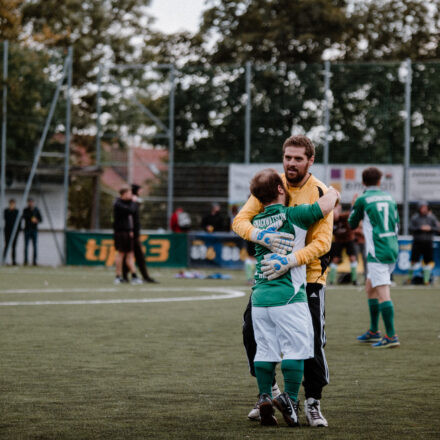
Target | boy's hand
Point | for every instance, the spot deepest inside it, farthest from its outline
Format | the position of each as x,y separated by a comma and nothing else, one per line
278,242
275,265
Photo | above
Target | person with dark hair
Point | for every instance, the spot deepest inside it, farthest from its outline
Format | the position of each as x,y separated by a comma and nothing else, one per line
281,318
302,187
423,226
10,215
137,245
215,221
380,220
123,226
31,217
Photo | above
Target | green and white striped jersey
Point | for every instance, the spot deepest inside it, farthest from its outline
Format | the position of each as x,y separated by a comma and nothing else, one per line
289,287
378,212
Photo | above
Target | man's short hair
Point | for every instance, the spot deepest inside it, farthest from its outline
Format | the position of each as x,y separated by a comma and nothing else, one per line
264,185
371,176
300,141
124,189
11,200
135,188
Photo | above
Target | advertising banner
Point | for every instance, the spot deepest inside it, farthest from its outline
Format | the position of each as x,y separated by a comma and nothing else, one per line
96,249
216,250
424,184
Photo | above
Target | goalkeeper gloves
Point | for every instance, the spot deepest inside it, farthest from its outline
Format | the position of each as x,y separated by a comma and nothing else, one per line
278,242
275,265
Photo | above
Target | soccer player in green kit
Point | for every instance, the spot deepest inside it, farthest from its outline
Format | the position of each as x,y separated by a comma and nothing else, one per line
380,220
281,318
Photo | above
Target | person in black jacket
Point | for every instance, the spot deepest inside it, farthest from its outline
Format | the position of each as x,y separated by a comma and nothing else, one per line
10,214
123,227
137,245
31,217
423,226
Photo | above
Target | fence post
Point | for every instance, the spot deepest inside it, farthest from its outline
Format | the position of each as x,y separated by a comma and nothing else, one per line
170,150
3,154
407,146
96,195
326,115
67,146
247,127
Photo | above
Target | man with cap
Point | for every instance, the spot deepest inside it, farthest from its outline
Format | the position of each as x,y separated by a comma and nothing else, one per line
137,245
423,226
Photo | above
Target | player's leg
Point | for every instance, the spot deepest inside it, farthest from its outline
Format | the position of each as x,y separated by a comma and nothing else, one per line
140,261
26,246
34,238
316,374
416,254
372,334
131,266
118,265
381,280
335,256
266,358
351,249
428,261
7,236
14,249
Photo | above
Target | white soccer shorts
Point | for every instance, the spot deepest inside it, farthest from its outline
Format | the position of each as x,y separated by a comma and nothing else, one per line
380,274
283,332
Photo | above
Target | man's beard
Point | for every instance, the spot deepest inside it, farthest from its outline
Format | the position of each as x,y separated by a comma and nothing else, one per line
299,176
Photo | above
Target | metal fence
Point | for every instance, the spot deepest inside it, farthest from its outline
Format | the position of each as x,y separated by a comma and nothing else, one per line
208,117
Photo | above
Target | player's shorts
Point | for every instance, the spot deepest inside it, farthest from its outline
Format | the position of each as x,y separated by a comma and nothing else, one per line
422,249
380,274
337,247
283,332
123,241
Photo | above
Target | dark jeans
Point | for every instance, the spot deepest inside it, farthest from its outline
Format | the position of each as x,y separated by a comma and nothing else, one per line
30,235
8,235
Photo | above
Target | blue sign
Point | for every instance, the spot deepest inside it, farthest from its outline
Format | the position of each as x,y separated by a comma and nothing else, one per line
404,258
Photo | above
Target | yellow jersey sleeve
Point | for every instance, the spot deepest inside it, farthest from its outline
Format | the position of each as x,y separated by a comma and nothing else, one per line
242,225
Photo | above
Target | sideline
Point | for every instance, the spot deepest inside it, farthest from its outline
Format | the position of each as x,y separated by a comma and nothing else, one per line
217,293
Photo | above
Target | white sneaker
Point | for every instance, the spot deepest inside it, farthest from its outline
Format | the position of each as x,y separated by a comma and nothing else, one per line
313,413
117,281
255,411
135,281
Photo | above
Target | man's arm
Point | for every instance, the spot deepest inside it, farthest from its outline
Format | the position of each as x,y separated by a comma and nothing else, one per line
356,214
242,225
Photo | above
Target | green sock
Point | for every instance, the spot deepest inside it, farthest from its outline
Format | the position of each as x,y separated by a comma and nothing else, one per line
387,311
353,271
426,274
373,305
265,372
293,371
333,273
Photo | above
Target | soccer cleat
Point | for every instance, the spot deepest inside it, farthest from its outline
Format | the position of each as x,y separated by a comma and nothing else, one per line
254,414
313,413
135,281
267,413
288,408
370,336
387,342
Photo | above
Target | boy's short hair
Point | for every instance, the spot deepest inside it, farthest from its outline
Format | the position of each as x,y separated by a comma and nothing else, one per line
300,141
124,189
371,176
264,185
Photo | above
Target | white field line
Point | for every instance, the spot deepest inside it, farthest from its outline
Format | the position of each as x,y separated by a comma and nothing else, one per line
218,293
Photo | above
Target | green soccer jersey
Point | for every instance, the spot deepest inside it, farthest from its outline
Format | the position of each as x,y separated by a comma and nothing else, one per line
378,212
289,287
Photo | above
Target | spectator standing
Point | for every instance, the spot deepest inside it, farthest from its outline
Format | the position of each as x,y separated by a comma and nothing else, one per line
10,215
343,239
139,255
123,226
180,221
31,217
423,226
214,221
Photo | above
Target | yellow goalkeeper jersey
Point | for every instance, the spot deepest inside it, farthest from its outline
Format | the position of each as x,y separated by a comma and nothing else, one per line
318,238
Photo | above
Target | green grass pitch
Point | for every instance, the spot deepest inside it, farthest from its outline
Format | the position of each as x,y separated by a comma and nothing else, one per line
177,370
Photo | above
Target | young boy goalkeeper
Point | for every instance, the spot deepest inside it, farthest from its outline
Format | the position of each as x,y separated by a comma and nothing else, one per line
280,314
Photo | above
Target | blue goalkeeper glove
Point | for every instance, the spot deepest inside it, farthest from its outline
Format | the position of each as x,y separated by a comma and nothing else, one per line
275,265
278,242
